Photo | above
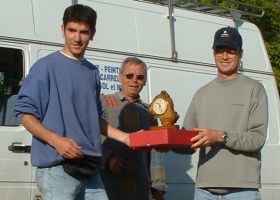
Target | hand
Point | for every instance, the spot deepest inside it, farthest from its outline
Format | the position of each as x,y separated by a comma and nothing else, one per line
116,165
111,101
68,148
125,139
206,137
158,195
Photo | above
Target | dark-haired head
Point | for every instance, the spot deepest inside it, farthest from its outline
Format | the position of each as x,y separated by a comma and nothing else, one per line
80,13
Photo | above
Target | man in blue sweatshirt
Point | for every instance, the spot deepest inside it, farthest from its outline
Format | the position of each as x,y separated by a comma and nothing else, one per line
59,105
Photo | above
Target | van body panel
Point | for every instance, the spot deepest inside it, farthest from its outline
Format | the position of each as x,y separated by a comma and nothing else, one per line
31,30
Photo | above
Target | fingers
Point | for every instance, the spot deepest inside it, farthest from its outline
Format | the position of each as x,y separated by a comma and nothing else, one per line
74,144
111,101
206,137
199,143
72,154
75,149
196,138
69,149
200,140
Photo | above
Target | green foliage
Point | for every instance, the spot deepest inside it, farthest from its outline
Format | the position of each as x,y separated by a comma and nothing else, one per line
269,25
277,76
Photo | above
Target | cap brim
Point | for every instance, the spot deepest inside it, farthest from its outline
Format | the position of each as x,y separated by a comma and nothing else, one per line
226,43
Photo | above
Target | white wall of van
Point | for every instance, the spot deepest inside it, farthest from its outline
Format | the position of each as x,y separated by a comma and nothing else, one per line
31,29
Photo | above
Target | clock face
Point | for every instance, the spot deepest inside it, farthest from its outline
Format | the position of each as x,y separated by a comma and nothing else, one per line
160,106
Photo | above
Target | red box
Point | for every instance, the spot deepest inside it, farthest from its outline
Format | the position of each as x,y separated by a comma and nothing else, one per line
161,138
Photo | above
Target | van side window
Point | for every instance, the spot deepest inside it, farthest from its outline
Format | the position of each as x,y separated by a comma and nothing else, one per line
11,74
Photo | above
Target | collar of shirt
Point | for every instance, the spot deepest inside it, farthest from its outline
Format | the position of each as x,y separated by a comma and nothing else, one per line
122,98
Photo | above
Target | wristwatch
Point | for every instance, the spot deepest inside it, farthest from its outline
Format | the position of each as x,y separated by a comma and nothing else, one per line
224,138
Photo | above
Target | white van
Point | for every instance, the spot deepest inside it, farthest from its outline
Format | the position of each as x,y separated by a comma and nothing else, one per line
174,42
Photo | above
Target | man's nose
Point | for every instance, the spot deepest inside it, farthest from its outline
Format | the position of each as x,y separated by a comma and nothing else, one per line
225,55
134,78
77,37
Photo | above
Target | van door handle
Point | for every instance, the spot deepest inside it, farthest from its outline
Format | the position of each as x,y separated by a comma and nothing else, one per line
18,147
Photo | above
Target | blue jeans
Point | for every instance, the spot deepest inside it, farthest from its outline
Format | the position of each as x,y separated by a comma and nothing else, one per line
235,194
55,184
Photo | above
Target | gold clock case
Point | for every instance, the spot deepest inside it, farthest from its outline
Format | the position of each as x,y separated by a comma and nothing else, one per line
169,117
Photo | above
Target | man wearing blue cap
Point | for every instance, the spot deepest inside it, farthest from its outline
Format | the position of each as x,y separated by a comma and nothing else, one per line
231,115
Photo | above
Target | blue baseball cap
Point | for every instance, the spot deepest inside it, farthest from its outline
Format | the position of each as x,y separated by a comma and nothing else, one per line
227,37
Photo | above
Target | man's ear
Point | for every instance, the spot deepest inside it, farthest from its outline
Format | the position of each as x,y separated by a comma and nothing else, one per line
62,30
241,53
120,77
92,34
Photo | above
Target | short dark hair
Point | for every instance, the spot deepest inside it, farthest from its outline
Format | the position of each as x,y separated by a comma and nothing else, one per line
80,13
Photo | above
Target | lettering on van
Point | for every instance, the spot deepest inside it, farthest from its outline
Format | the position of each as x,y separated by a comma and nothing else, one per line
109,77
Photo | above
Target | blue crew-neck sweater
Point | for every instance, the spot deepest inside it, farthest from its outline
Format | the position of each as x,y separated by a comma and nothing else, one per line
64,94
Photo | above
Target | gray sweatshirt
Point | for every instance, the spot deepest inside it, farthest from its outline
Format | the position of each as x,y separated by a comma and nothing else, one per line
238,107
